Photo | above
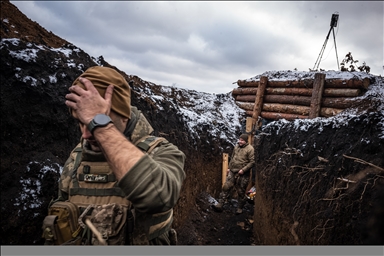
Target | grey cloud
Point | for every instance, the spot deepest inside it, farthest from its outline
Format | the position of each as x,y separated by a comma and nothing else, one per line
192,43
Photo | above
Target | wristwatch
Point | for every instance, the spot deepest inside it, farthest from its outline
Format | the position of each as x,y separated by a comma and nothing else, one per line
100,120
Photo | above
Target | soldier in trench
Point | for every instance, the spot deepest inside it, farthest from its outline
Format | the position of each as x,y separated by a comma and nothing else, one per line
123,181
241,163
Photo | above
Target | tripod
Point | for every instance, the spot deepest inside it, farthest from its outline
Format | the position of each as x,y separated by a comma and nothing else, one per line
333,24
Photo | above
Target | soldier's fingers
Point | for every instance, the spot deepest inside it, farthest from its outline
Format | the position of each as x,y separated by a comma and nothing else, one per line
73,96
87,84
109,93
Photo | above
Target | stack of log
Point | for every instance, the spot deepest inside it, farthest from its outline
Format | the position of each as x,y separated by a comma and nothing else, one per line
298,98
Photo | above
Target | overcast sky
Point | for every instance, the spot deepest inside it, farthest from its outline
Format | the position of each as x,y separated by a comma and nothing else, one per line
206,46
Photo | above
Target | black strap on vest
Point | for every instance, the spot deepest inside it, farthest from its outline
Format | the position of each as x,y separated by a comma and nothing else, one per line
145,145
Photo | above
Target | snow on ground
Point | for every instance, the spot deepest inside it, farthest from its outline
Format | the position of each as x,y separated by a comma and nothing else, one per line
218,113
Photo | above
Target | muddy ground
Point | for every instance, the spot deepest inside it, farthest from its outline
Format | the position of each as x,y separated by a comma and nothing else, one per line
208,227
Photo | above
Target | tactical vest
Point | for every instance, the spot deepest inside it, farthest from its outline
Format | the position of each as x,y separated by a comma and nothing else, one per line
97,212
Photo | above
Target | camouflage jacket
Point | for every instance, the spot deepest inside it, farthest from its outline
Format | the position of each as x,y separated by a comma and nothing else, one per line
242,158
152,186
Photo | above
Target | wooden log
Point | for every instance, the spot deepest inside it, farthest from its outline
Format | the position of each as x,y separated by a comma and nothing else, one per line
333,92
290,91
244,83
290,117
351,83
331,102
244,91
277,116
285,99
329,92
273,91
286,108
328,112
317,94
246,106
341,103
245,98
289,109
308,83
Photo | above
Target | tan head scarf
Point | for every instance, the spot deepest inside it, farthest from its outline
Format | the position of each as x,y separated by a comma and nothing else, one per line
101,77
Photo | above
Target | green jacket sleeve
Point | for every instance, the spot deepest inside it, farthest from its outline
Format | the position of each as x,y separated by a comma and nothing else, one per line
153,184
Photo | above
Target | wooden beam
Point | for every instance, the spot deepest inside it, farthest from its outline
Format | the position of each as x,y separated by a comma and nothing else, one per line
224,168
248,124
259,99
317,94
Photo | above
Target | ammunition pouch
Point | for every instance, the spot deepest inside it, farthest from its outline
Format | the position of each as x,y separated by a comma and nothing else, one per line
61,226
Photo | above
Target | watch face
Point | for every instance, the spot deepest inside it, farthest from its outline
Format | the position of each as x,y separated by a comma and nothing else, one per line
101,119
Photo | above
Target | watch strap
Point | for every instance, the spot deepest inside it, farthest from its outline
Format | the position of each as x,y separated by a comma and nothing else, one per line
100,120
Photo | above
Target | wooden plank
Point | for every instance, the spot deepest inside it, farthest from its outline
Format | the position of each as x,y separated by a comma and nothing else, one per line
286,108
341,102
248,124
291,111
328,112
259,98
224,168
285,99
277,116
317,94
290,91
335,92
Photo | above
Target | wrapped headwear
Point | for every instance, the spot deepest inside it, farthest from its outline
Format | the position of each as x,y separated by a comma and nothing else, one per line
102,77
244,137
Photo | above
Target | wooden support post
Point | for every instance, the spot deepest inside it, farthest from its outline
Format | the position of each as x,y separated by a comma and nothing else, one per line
248,129
317,94
259,98
258,105
224,168
248,125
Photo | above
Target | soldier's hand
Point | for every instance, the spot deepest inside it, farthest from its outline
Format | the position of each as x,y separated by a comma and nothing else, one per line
241,172
88,103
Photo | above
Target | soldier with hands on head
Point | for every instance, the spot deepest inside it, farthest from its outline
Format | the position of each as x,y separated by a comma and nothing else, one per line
123,180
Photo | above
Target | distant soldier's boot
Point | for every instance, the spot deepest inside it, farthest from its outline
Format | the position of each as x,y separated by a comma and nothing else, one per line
240,206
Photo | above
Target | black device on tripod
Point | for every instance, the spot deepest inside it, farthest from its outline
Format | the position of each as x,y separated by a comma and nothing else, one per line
334,19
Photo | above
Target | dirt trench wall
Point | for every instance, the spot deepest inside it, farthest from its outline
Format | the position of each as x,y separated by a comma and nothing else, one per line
203,161
301,199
